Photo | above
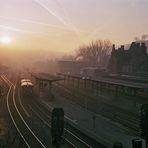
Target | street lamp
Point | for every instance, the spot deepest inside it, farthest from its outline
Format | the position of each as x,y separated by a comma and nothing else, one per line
85,99
94,122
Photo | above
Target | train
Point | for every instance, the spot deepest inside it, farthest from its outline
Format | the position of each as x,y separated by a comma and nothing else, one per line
26,88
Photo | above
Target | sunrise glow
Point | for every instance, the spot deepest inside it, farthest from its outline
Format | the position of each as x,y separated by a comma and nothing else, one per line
5,40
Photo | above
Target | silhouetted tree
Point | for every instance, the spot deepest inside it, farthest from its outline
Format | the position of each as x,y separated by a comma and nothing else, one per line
97,52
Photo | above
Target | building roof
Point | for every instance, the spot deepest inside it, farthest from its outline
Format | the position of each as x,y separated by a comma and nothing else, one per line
47,77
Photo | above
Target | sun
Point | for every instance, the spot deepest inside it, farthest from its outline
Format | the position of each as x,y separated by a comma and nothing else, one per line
5,40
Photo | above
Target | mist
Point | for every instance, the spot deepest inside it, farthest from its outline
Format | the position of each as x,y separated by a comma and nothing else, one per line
36,60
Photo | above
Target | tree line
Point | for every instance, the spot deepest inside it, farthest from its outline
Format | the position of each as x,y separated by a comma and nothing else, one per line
96,52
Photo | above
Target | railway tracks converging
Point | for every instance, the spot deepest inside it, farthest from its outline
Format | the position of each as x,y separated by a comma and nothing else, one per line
29,137
124,117
72,136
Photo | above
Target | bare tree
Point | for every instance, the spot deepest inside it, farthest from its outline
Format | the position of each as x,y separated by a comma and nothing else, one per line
96,52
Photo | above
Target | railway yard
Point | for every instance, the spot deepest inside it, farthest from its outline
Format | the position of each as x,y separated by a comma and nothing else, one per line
96,114
73,74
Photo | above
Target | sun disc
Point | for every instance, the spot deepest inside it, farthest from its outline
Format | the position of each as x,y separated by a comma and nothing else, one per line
5,40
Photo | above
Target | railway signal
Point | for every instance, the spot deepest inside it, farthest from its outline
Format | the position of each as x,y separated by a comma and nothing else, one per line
57,125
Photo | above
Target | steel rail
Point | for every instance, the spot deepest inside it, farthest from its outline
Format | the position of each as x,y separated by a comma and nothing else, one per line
8,107
12,86
46,123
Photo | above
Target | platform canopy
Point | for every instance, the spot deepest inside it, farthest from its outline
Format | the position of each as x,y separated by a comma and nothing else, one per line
46,77
131,84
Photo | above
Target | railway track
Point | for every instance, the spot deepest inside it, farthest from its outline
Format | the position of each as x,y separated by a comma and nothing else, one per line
28,136
39,110
74,137
126,118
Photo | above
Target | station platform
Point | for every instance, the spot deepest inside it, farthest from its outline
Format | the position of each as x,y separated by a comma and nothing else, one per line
103,129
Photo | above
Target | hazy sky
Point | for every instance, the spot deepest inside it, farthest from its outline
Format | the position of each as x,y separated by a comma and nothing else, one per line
63,25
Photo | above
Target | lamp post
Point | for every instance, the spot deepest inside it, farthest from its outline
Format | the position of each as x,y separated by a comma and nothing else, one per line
94,122
85,100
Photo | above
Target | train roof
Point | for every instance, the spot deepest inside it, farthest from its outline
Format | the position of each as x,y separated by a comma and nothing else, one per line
26,84
25,80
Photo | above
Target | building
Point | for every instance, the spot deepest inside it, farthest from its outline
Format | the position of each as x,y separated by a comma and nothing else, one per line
133,60
71,66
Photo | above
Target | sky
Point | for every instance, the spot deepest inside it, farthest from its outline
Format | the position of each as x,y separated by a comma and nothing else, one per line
61,26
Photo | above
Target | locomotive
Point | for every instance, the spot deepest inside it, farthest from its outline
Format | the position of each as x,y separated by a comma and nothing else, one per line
26,88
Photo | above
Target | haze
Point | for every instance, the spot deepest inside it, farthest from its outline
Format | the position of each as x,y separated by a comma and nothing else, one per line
49,28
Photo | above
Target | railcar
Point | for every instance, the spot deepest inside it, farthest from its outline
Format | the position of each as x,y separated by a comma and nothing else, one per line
25,80
26,88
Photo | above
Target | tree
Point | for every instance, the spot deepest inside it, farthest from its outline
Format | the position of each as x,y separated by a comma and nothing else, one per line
96,52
